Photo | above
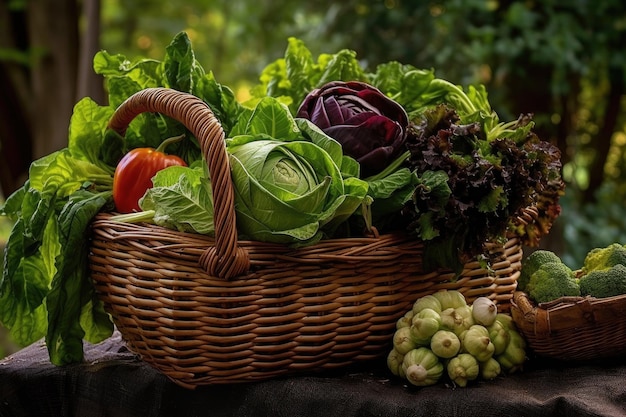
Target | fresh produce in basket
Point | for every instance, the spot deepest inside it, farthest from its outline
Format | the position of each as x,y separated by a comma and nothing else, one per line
604,283
443,335
603,273
370,126
533,262
133,174
599,259
544,277
587,326
453,176
551,281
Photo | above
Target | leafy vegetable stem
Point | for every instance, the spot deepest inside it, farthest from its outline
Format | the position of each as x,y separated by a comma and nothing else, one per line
99,188
391,167
102,179
168,141
501,128
137,217
453,90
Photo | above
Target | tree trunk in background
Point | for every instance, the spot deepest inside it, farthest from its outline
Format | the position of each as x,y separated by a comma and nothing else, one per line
53,34
15,101
43,79
90,84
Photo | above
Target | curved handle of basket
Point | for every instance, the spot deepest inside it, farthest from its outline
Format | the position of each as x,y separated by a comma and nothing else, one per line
226,259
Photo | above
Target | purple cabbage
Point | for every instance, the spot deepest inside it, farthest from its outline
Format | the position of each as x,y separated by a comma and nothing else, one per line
370,126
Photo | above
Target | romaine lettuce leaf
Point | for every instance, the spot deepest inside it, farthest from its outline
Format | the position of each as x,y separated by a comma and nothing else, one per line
181,199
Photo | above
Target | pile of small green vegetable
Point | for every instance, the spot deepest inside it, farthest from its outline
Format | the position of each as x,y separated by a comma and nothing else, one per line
545,277
442,336
323,149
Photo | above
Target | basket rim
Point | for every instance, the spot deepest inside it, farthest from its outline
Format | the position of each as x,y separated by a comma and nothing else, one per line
565,314
525,304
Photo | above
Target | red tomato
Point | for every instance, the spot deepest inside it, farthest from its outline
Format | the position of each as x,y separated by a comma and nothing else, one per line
133,175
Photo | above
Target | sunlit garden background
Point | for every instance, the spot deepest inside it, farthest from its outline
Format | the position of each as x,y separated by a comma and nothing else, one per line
563,61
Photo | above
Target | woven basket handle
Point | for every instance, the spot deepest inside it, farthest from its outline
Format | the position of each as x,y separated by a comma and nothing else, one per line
226,259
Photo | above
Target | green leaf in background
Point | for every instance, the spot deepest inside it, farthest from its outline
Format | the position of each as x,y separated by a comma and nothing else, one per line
273,119
86,133
145,72
120,88
180,67
181,199
220,99
301,71
123,78
291,78
403,83
342,66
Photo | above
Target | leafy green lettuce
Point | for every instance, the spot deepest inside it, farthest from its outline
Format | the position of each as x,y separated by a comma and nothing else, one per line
45,287
291,78
181,199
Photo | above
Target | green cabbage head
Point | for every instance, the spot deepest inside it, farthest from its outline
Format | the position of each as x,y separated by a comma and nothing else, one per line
291,192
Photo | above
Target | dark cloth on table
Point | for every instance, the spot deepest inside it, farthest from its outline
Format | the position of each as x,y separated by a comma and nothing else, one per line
113,382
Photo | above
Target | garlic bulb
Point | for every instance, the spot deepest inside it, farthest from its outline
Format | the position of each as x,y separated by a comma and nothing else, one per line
484,311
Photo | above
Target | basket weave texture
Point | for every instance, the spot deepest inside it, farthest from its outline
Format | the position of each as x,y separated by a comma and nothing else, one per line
572,328
208,310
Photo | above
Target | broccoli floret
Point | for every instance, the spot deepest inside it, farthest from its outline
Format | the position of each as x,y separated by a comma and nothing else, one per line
602,283
604,258
532,263
551,281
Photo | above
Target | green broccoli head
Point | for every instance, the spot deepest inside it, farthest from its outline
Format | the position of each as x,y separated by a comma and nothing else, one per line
532,264
602,283
604,258
551,281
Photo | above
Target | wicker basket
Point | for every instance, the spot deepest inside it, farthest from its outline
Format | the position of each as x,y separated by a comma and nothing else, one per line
572,328
205,311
